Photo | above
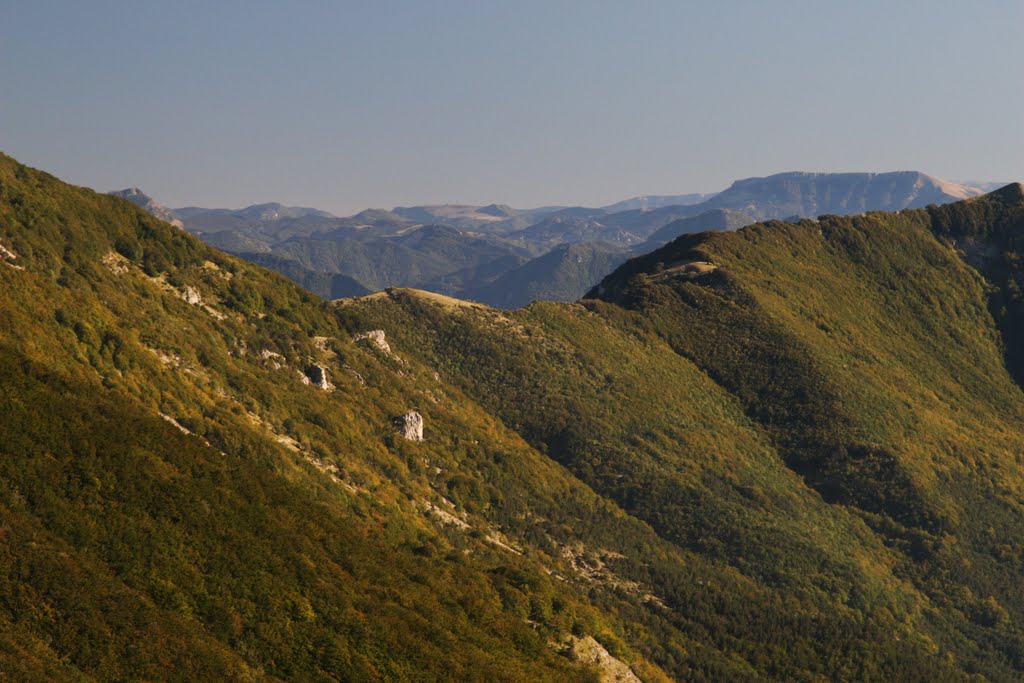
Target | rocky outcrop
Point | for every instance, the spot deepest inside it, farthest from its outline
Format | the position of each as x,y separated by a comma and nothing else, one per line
377,338
7,256
410,426
611,670
274,359
191,296
317,376
116,263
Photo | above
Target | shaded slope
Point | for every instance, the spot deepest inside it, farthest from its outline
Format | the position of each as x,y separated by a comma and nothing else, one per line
325,285
423,257
865,346
988,233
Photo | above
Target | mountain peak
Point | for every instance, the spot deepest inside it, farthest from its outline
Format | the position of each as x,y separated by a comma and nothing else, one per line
130,192
499,210
149,205
274,211
1012,194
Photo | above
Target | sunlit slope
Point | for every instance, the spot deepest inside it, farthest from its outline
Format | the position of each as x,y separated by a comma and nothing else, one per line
178,503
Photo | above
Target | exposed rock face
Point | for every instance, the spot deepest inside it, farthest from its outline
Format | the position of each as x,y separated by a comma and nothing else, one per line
410,426
317,375
377,338
273,358
6,253
191,295
115,262
612,670
7,256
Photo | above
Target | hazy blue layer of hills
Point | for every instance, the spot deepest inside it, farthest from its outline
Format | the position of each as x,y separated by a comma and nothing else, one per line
556,276
482,251
657,201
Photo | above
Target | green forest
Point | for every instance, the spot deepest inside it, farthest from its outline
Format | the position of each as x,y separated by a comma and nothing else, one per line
790,452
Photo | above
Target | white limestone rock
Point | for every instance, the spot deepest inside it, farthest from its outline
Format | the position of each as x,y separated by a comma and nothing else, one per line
377,338
410,426
589,651
191,295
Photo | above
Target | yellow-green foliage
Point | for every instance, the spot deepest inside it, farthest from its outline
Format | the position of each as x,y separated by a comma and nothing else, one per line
178,505
797,465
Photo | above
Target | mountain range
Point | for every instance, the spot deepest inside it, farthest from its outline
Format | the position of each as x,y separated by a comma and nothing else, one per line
789,451
497,254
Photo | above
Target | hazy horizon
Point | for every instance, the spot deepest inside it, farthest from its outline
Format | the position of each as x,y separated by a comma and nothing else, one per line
979,184
344,107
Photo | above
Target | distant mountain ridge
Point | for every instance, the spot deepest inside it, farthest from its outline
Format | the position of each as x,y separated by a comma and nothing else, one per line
562,274
270,211
483,250
812,194
657,201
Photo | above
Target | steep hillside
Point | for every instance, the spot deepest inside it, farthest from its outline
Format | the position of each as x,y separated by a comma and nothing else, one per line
788,452
326,285
823,406
201,479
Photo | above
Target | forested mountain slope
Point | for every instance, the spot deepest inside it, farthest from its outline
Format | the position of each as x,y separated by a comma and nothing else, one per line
181,502
788,452
863,355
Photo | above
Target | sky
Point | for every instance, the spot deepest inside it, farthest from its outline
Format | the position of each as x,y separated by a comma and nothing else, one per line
349,105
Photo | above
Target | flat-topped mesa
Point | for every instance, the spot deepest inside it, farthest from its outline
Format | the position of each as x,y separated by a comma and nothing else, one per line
377,338
410,426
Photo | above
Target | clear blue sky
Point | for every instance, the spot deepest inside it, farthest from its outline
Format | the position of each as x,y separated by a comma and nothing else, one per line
346,105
